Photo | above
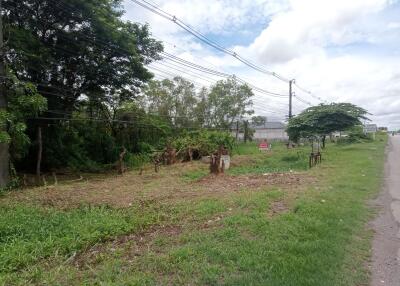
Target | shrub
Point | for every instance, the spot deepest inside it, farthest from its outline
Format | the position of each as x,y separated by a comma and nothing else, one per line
355,135
203,142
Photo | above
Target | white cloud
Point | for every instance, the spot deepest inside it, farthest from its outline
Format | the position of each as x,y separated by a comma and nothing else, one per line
311,25
207,16
393,25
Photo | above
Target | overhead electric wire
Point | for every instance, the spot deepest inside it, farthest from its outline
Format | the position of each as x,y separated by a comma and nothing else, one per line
181,61
176,68
157,10
137,124
213,72
310,93
188,64
193,66
303,101
175,75
153,8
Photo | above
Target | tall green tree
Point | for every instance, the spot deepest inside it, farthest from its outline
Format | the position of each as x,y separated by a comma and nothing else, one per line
78,47
173,99
321,120
228,101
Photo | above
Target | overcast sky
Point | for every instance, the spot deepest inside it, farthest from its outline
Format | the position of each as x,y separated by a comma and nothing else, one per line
341,50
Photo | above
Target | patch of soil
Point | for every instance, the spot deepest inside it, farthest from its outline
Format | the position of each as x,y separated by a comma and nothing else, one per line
132,244
276,208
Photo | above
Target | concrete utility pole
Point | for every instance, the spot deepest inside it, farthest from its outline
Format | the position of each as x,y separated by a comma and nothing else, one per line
290,98
4,149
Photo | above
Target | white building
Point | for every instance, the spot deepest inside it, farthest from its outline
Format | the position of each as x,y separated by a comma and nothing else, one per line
269,130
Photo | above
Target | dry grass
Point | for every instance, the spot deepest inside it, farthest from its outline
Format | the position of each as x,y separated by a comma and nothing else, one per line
167,185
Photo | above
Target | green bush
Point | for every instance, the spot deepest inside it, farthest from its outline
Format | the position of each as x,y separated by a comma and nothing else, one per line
355,135
203,142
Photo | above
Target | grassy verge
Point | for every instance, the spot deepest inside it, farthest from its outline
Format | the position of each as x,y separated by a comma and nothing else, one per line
268,236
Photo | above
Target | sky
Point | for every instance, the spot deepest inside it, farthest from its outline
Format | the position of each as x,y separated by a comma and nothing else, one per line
339,50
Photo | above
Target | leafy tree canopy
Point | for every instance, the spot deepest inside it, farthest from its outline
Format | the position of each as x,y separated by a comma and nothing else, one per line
228,101
179,102
323,119
259,120
24,103
70,48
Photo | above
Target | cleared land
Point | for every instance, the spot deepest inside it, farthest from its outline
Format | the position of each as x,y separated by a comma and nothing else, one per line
268,221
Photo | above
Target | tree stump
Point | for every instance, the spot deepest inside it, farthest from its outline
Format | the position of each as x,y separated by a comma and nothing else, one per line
170,155
217,166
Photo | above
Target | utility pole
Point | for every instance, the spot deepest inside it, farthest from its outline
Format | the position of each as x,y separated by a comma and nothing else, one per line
291,82
4,149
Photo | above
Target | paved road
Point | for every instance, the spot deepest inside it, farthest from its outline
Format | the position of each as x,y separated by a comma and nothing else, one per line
386,243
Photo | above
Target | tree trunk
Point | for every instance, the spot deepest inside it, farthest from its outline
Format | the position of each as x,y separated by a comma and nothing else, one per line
245,135
170,155
323,141
39,154
121,166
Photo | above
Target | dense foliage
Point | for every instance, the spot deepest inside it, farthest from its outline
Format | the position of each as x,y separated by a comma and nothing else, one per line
203,143
24,104
78,77
180,104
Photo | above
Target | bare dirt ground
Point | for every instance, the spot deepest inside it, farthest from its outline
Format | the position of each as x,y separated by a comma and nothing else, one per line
167,185
386,243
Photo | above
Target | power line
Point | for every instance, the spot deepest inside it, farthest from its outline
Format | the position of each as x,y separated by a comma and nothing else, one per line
182,62
153,8
217,73
175,75
187,64
157,10
310,93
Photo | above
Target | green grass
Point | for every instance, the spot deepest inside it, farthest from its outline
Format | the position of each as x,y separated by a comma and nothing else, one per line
321,239
28,234
250,148
195,175
280,159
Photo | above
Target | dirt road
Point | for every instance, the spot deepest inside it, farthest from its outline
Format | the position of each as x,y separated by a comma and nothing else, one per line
386,243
